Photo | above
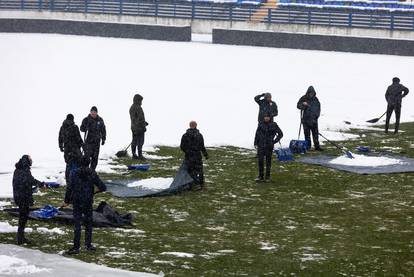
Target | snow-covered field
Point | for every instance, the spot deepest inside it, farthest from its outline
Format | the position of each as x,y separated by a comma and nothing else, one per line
44,77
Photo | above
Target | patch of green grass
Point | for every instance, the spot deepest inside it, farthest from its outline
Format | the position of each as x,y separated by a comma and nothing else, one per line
310,221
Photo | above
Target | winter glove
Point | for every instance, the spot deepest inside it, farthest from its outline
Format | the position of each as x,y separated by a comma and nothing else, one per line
62,149
103,142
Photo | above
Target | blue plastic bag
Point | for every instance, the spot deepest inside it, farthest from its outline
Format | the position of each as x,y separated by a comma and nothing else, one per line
52,184
140,167
363,149
299,146
46,212
284,154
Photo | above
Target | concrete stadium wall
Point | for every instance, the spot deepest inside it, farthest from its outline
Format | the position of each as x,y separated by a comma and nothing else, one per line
207,26
315,42
101,29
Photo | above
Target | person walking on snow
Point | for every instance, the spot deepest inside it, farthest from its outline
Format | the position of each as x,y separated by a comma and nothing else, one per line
23,185
267,134
192,144
138,127
266,106
311,109
95,134
394,95
83,180
70,142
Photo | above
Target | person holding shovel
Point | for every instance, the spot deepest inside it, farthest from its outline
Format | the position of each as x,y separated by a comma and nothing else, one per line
138,127
394,95
267,135
95,134
311,109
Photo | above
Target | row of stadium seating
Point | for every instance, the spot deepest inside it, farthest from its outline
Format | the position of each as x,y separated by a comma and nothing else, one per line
359,5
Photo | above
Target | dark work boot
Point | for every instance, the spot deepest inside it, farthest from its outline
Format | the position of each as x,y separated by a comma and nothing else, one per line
90,247
135,157
259,179
72,251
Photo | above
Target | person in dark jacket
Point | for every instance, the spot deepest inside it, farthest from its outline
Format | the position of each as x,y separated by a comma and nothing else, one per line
70,142
138,127
23,185
83,180
394,95
192,144
266,106
311,109
95,134
267,134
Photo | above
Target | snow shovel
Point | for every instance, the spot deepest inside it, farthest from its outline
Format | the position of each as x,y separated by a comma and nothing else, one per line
375,120
123,153
342,148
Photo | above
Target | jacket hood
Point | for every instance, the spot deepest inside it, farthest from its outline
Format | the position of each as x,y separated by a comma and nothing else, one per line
138,99
24,163
310,91
68,122
193,132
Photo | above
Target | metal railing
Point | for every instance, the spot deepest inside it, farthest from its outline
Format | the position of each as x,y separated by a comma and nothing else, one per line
224,12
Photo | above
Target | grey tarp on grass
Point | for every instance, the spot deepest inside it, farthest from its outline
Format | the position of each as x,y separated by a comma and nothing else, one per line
323,160
180,183
103,216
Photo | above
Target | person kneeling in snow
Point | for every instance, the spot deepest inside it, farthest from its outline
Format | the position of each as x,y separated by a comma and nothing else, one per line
83,181
23,185
267,134
192,144
311,108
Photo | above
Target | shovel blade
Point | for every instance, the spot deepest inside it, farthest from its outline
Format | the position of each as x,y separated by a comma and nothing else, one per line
349,154
375,120
121,154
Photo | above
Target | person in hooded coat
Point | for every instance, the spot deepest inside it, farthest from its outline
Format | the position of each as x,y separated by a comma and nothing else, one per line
267,135
70,142
192,144
23,186
266,106
394,95
83,180
311,109
138,127
95,134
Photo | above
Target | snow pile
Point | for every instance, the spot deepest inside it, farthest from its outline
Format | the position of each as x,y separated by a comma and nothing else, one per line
14,266
20,261
369,161
153,183
5,227
56,231
179,254
157,157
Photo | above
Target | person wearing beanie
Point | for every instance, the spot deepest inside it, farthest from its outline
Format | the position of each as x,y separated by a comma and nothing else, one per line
138,127
95,134
267,135
83,180
70,143
266,106
394,95
23,185
192,144
310,109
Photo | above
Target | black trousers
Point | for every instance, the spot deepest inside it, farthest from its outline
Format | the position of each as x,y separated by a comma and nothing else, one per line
262,154
92,152
82,212
309,128
137,141
196,171
393,108
23,217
